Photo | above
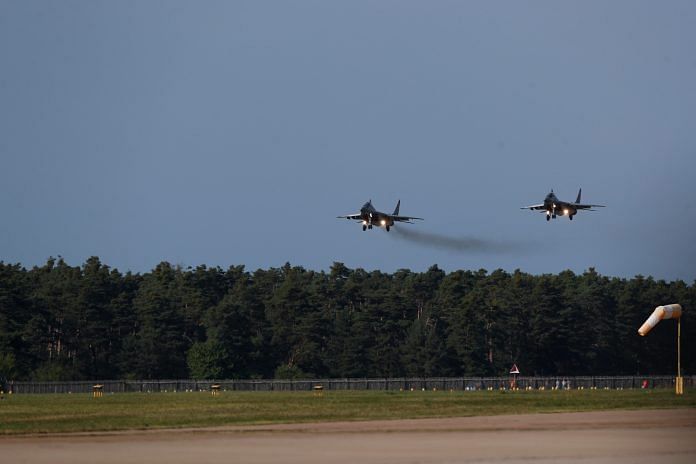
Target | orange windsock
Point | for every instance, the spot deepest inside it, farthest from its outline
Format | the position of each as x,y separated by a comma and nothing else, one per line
672,311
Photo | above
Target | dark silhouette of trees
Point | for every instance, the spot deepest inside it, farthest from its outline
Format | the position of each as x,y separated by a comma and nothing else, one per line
60,322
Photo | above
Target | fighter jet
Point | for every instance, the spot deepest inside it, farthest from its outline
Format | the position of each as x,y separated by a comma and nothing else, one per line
369,216
553,207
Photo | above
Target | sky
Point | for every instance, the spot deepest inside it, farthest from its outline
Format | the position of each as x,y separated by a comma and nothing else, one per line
234,132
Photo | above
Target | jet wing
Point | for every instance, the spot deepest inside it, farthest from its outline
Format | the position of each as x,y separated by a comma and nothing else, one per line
586,207
407,219
534,207
355,217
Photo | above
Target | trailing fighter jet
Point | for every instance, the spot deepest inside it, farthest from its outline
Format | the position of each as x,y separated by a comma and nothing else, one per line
369,216
552,206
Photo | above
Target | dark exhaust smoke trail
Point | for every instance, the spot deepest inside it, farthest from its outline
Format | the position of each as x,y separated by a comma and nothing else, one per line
460,244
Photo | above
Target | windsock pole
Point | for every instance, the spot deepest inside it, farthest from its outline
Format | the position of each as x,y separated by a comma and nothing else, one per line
680,380
673,311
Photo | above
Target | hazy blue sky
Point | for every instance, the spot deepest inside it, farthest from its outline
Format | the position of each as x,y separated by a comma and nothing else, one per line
234,132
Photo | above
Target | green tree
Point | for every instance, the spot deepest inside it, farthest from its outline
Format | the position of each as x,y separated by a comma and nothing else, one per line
160,343
207,360
15,312
8,367
53,333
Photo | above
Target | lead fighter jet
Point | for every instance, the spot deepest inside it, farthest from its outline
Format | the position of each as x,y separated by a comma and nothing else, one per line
553,207
369,216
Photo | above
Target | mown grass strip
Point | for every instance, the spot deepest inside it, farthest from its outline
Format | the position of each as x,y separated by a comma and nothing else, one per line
22,414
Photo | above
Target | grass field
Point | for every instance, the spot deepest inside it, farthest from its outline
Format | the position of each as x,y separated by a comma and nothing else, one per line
22,414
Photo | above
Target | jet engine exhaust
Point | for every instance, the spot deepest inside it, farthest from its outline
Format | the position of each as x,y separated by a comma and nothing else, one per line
460,244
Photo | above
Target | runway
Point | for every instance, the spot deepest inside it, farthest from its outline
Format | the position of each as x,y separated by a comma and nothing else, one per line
665,436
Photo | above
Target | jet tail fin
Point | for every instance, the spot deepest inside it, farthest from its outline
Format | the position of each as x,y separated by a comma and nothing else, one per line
396,210
579,195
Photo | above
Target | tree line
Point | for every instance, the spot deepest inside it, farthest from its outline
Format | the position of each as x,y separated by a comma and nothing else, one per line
62,322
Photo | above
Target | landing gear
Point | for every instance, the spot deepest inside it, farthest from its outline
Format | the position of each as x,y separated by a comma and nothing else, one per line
364,227
570,217
547,218
387,228
370,227
553,216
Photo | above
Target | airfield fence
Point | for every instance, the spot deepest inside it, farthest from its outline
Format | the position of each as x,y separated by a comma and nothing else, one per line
383,384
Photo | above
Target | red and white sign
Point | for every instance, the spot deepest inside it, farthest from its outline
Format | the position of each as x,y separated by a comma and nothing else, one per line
514,369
